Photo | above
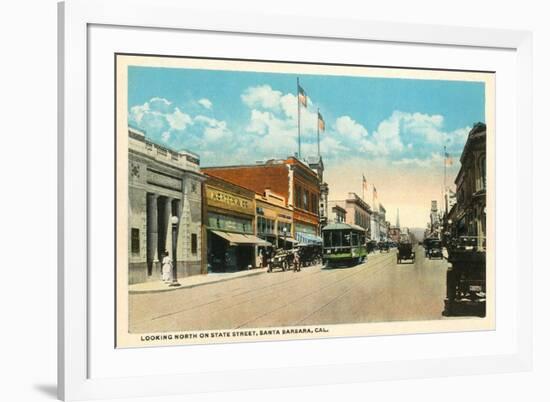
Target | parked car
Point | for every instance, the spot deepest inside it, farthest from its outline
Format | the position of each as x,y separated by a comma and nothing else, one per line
281,259
372,246
384,246
310,254
435,250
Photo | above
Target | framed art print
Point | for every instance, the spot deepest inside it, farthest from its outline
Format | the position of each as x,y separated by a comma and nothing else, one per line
247,214
241,201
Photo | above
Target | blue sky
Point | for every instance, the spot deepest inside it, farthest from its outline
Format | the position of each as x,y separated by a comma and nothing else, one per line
376,124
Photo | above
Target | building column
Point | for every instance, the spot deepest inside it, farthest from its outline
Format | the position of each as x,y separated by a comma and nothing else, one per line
163,216
151,231
168,225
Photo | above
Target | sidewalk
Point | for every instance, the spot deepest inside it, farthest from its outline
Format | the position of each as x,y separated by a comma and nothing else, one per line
191,281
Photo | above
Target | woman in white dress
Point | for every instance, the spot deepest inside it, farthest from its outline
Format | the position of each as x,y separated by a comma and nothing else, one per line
166,267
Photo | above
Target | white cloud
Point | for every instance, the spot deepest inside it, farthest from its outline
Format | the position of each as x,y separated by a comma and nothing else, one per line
331,146
346,126
430,129
164,121
271,130
137,112
160,105
434,160
206,103
385,140
213,130
262,96
178,120
274,122
259,122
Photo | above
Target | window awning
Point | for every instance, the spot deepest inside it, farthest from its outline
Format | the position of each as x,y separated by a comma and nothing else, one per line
288,239
237,238
307,238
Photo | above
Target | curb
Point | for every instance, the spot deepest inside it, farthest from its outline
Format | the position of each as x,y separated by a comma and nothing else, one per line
173,289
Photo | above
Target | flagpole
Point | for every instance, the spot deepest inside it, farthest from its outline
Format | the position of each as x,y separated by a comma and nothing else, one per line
298,98
318,141
363,186
373,204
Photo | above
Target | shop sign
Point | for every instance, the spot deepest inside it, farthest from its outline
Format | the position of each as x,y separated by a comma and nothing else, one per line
222,199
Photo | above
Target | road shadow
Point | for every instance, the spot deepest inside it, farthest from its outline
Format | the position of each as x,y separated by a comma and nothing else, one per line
49,390
333,267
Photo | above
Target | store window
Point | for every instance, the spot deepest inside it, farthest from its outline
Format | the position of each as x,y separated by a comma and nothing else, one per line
135,240
193,243
264,225
298,197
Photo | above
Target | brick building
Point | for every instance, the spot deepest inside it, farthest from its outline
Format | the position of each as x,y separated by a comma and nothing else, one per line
229,217
290,179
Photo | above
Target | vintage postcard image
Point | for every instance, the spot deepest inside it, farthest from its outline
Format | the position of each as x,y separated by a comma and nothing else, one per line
262,200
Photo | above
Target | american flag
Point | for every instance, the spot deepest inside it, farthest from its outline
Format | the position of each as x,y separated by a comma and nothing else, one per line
302,97
320,122
448,159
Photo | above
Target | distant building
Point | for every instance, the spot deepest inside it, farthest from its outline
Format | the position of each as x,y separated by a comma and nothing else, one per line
469,213
405,235
357,211
316,164
394,233
337,214
382,224
162,183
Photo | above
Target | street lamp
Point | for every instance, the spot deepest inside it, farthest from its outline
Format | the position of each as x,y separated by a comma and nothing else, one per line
284,236
174,219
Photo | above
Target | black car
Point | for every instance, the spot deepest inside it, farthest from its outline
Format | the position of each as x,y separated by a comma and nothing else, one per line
405,251
435,250
371,246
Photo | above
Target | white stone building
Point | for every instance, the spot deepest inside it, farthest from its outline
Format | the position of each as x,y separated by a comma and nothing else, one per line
162,183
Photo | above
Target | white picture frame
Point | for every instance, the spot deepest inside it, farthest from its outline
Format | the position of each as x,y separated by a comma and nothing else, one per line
75,19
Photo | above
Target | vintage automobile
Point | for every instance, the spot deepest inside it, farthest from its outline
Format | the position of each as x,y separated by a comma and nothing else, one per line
310,254
427,244
405,252
282,259
384,246
372,246
466,284
435,250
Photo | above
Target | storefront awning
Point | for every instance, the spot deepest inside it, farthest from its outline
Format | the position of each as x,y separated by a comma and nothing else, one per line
289,239
307,238
236,238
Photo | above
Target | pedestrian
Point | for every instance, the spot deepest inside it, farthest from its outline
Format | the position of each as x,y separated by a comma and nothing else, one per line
166,267
265,257
296,261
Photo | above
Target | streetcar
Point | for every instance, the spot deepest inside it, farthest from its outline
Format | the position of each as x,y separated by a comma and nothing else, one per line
343,244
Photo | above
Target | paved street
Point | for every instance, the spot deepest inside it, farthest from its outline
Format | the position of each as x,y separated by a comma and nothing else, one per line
377,290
